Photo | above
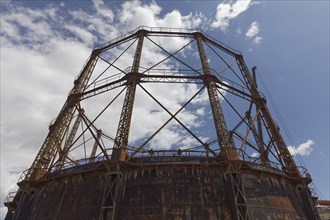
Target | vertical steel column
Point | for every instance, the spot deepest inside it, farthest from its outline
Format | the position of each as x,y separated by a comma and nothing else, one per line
235,192
96,144
239,196
257,105
263,153
111,195
121,140
284,153
223,135
63,153
255,133
52,143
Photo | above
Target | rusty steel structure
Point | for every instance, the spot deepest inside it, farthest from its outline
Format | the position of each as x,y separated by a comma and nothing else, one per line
100,163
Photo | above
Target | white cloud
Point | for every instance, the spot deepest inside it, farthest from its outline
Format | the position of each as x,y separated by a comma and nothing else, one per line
134,14
190,142
252,33
166,139
200,111
257,40
43,49
255,154
82,34
103,11
303,149
40,57
3,210
253,30
238,31
31,24
227,12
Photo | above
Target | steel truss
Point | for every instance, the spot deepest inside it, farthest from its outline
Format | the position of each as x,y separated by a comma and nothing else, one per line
232,142
244,88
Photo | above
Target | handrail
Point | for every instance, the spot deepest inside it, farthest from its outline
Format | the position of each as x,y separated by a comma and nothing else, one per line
10,197
313,192
243,156
147,28
76,163
166,29
168,75
179,153
170,153
184,153
304,172
23,175
26,174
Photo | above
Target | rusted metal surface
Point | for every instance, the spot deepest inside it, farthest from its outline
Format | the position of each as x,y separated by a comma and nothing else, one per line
323,202
159,191
245,173
269,198
323,208
174,193
234,79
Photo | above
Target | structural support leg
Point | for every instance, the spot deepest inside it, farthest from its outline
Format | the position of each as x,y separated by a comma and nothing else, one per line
121,140
224,139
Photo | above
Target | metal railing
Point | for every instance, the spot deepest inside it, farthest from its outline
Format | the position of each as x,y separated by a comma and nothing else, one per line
304,172
180,152
177,155
313,192
24,175
76,163
151,29
171,153
165,76
10,197
167,30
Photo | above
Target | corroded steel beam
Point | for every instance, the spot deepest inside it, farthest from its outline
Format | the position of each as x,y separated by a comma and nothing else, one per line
183,190
284,153
224,138
121,140
51,145
63,153
214,182
146,78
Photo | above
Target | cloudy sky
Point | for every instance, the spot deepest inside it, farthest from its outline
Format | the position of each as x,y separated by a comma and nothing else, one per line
44,45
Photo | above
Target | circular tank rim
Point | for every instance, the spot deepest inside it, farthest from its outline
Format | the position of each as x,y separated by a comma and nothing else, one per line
187,162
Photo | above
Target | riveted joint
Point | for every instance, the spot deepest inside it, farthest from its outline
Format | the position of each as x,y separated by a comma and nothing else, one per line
208,79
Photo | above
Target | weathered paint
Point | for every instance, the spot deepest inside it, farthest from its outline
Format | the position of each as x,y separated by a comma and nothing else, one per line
166,190
175,193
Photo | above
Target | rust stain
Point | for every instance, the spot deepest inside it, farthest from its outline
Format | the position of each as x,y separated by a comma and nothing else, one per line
162,193
280,202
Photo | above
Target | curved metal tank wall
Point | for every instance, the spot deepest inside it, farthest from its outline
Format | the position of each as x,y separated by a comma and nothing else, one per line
216,178
163,191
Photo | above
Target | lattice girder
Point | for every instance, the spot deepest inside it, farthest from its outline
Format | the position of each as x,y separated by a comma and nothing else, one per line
120,63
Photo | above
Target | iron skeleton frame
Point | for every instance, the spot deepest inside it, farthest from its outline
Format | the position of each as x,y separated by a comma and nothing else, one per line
229,145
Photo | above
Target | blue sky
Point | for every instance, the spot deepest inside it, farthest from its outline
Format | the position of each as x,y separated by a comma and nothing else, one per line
288,41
